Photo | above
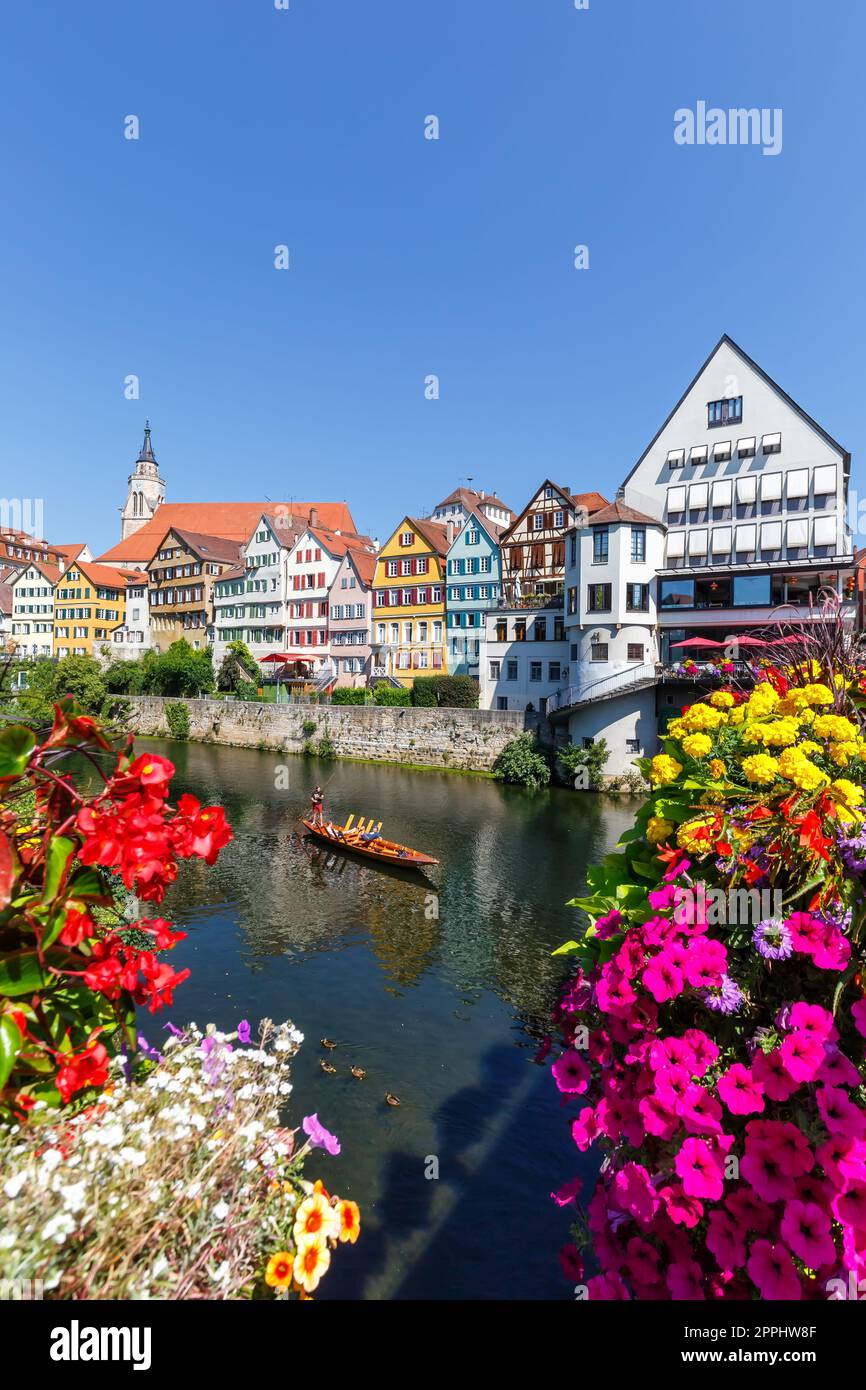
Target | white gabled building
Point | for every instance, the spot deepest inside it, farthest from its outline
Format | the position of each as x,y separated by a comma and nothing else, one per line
33,609
524,658
250,601
312,566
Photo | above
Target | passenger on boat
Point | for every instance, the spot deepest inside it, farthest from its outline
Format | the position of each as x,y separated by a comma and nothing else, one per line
370,835
317,803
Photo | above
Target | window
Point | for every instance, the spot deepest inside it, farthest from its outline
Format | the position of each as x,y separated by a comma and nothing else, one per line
502,702
825,480
539,630
598,652
600,536
751,590
572,600
635,651
638,544
535,670
554,671
511,671
677,593
501,630
558,519
725,412
676,458
599,598
405,537
632,745
520,630
538,521
637,598
771,444
495,670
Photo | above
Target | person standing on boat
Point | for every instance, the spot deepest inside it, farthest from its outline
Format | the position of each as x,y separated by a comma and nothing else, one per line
317,804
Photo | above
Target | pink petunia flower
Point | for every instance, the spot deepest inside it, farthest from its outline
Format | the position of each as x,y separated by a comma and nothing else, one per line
806,1229
571,1263
585,1129
768,1069
571,1073
705,963
773,1273
663,980
699,1170
850,1207
633,1192
812,1019
839,1114
858,1013
725,1240
568,1193
802,1055
739,1090
686,1281
682,1209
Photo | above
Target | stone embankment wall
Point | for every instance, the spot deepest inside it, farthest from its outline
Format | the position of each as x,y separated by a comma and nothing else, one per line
466,739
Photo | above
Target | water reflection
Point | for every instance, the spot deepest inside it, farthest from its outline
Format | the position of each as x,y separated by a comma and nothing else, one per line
437,988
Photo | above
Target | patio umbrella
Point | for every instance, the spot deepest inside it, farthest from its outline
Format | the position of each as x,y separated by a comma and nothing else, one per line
697,642
746,641
785,641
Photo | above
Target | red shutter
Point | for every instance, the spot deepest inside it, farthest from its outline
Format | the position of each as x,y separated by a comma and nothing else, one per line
321,583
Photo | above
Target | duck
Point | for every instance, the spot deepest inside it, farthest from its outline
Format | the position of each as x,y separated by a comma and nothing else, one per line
327,1042
326,1067
358,1073
391,1099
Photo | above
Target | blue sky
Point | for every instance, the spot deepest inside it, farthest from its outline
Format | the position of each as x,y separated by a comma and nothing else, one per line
409,256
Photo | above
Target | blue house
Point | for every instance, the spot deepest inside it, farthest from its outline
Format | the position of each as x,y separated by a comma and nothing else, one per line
474,584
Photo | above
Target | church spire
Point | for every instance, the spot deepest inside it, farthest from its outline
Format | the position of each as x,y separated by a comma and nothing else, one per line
146,455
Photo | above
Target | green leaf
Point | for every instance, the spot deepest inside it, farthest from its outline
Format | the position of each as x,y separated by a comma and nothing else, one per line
567,949
10,1046
59,854
88,885
16,745
22,974
7,871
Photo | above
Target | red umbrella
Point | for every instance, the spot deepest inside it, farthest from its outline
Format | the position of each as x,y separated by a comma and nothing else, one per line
283,657
697,642
785,641
746,641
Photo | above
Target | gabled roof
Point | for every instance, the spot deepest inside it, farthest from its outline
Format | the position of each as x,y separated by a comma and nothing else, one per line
435,533
617,511
237,572
70,552
234,521
582,501
337,543
726,341
364,564
5,598
102,575
50,572
213,548
470,498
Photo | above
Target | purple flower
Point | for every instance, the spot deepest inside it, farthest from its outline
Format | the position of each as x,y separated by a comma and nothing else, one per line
320,1138
853,850
772,939
243,1031
145,1047
177,1032
725,998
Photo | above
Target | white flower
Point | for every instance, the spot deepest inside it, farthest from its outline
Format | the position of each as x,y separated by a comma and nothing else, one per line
15,1184
221,1274
134,1157
51,1158
74,1195
194,1189
7,1240
58,1228
221,1211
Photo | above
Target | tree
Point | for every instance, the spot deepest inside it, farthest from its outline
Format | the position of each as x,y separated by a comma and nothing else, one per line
237,663
183,671
521,762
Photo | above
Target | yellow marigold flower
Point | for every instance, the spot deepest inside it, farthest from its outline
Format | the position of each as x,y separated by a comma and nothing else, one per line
762,701
700,717
809,746
697,745
676,728
349,1217
798,769
761,768
717,768
658,829
835,727
664,769
817,695
776,733
311,1262
315,1217
722,699
842,753
737,714
846,791
279,1271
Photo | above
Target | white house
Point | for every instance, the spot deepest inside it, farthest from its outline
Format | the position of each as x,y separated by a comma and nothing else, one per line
33,609
132,638
312,566
250,601
463,501
525,657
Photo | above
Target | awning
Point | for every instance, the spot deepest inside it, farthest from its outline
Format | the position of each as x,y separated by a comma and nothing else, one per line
283,657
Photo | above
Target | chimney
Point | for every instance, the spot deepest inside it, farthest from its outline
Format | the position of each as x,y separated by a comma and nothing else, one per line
450,531
314,516
620,493
482,494
377,544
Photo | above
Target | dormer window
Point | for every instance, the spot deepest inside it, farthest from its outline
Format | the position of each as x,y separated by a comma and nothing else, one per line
771,444
725,412
676,458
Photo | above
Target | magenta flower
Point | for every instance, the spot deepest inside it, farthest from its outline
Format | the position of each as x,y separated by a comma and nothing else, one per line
571,1073
858,1013
739,1090
633,1192
608,925
802,1055
572,1264
806,1229
699,1170
319,1137
662,979
772,1271
568,1193
243,1031
839,1114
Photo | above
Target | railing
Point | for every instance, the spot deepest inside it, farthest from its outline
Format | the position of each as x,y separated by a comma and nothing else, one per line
644,674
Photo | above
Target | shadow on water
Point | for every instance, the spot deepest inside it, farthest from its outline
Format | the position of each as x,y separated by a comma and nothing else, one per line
440,992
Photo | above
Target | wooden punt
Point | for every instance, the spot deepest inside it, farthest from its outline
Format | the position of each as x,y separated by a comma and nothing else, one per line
383,851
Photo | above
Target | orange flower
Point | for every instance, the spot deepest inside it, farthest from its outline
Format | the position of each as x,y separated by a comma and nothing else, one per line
349,1217
315,1217
311,1262
279,1271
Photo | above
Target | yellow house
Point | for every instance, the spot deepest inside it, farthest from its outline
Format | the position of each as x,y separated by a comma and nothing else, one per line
89,603
409,602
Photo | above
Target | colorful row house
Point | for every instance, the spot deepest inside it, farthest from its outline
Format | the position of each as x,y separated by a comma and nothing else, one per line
89,607
474,586
409,602
181,579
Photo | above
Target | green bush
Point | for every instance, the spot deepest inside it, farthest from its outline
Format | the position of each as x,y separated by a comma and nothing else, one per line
327,748
177,719
347,695
125,677
583,768
237,663
522,762
384,694
245,690
452,692
181,671
309,726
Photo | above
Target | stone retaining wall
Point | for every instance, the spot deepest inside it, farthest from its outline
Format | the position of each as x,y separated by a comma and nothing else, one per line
467,739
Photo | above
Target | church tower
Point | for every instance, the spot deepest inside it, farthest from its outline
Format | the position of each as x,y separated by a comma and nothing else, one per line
145,490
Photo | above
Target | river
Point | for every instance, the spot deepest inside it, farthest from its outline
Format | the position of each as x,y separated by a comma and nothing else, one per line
439,989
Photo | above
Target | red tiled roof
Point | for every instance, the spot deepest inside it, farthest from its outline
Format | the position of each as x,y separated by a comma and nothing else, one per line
592,501
5,598
470,498
435,533
70,552
338,544
205,546
50,572
233,521
365,565
104,575
618,511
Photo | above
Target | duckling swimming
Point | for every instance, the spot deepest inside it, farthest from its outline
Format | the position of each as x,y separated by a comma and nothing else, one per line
391,1099
326,1067
358,1073
326,1042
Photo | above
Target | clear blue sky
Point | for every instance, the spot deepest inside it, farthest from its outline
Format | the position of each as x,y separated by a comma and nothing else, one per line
409,256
